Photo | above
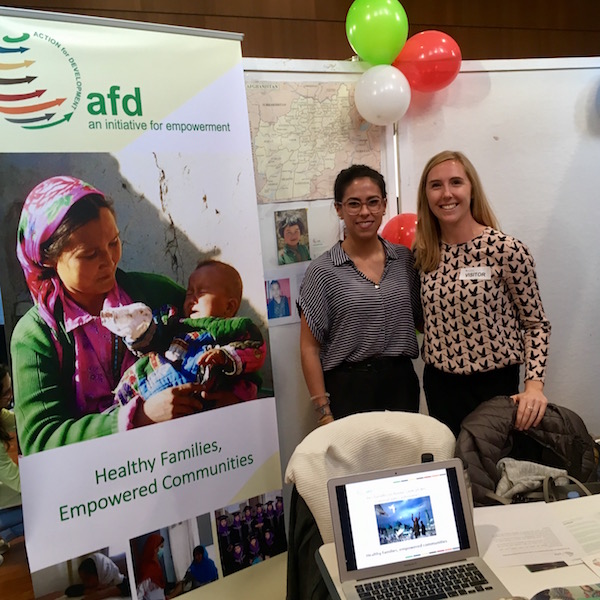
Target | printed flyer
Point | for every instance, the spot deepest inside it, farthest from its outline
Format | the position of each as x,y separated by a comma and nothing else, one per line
133,292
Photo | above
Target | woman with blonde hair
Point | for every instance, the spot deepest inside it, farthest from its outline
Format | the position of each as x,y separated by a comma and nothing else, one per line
481,305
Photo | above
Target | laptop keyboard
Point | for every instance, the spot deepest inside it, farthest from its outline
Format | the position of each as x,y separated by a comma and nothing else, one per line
445,582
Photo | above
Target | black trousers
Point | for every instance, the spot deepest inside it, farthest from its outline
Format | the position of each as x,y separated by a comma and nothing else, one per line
451,397
383,383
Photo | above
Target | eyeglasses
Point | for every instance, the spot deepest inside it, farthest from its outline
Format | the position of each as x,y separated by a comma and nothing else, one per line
375,205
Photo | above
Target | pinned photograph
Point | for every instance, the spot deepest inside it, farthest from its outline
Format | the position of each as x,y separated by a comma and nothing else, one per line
292,236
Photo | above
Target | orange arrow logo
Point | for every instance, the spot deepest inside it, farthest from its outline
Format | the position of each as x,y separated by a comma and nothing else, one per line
21,110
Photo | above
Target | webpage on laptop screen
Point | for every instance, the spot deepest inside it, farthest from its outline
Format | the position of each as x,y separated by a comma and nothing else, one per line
399,518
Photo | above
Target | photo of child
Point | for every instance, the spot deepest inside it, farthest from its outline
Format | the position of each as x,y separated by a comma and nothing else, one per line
209,345
278,298
292,236
82,363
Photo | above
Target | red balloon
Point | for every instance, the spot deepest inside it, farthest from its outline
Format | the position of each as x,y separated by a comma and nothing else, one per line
401,229
430,61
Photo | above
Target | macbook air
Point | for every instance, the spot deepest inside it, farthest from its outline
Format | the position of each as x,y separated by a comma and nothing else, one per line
408,533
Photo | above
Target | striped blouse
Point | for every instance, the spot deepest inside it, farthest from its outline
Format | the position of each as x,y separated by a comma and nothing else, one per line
354,319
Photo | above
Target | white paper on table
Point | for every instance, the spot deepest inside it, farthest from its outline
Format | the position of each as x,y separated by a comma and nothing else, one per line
529,534
593,562
586,530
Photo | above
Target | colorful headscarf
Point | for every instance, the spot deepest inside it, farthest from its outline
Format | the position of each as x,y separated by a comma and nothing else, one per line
43,211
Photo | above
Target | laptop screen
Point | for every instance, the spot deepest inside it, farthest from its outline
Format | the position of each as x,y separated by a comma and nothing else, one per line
408,518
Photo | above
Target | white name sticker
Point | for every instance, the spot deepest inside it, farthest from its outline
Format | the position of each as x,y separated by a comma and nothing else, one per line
481,273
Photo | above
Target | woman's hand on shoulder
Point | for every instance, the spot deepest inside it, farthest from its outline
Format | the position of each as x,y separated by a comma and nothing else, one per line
531,405
172,403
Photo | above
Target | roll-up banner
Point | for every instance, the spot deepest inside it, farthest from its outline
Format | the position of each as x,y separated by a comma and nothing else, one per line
155,120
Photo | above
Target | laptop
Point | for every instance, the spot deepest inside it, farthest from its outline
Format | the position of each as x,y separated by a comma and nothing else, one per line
409,529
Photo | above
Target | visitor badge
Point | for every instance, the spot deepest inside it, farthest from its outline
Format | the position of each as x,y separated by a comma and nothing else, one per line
475,273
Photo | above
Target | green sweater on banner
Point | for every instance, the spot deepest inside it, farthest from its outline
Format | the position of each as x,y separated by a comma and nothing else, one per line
43,382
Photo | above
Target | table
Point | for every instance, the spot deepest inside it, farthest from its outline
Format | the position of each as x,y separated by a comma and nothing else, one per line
488,522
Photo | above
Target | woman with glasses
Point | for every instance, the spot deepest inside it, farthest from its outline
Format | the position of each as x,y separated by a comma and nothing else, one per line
481,302
359,304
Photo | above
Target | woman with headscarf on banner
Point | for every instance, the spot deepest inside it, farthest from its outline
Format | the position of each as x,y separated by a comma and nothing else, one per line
151,579
66,363
202,571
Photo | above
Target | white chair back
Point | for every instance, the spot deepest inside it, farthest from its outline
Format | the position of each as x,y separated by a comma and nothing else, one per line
359,443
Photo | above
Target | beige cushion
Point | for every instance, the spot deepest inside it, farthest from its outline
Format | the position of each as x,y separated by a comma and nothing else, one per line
359,443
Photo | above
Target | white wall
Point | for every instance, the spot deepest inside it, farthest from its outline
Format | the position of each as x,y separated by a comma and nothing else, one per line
272,135
532,130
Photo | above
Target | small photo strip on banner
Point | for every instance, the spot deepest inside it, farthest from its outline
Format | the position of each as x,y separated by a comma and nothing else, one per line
175,559
251,531
100,571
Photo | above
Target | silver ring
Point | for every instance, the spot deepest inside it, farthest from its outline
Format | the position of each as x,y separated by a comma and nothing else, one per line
530,407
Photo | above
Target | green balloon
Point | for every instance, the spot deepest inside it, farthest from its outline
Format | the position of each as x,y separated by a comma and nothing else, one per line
377,30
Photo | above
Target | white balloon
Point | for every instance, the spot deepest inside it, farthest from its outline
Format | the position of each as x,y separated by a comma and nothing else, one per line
382,95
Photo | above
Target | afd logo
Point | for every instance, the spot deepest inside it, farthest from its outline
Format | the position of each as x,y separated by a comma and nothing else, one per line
41,85
40,82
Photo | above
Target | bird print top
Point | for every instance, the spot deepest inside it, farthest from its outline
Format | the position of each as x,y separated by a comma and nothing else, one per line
482,308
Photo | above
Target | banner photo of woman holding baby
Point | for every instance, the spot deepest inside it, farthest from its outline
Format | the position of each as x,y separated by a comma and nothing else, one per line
133,298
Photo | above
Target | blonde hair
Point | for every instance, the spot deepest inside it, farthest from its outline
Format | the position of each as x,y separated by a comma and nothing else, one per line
428,234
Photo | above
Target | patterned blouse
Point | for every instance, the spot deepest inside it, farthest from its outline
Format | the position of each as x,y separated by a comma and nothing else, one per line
482,308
